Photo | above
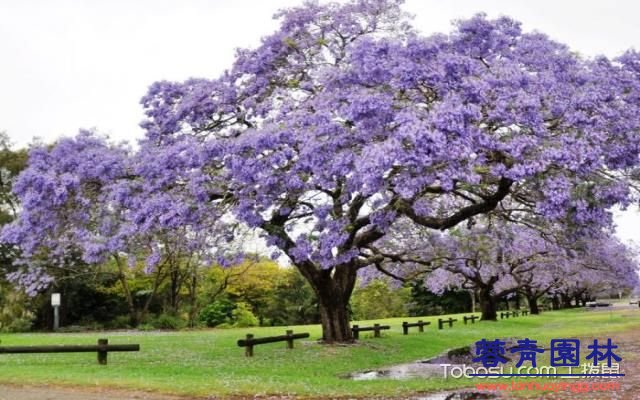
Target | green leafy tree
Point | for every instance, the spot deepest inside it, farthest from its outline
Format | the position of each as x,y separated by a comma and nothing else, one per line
15,314
257,286
425,302
292,301
379,300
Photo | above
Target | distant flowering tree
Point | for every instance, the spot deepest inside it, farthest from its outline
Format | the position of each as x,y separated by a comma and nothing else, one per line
498,261
67,194
596,265
496,257
84,195
346,120
491,259
548,276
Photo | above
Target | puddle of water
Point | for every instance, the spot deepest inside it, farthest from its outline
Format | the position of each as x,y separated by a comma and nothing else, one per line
420,369
429,369
402,371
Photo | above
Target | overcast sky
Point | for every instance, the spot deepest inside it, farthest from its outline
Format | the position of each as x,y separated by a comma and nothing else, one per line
70,64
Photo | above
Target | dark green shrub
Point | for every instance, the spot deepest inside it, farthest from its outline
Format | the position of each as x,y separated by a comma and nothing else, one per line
243,317
120,322
18,325
216,313
167,321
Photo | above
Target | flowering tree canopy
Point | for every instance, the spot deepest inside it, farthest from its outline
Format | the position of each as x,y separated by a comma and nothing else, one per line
87,196
499,260
346,119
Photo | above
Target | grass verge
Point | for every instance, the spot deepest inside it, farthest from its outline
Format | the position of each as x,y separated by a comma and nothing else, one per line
208,362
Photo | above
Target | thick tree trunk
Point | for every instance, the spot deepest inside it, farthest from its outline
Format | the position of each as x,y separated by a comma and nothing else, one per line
517,301
334,291
335,320
533,305
488,305
555,302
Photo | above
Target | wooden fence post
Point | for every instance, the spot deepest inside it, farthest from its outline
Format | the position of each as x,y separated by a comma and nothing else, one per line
102,354
376,330
420,327
405,328
356,333
290,340
248,349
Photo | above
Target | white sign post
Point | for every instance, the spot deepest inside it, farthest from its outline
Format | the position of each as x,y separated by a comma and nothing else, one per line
55,302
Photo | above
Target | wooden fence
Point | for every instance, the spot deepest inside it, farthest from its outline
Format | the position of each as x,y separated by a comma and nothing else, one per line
102,349
376,328
449,321
250,341
420,324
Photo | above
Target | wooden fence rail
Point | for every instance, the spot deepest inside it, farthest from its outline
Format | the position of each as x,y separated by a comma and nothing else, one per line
102,348
472,318
420,324
250,341
449,321
376,328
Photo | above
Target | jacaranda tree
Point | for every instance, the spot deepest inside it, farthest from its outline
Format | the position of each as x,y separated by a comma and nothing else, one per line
500,260
346,119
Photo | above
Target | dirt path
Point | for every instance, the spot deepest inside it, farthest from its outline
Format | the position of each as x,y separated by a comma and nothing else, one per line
11,392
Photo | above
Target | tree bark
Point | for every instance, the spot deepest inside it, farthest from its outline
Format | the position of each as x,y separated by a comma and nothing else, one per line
576,299
488,305
333,289
473,300
533,305
335,320
566,300
160,276
175,285
134,318
193,299
555,302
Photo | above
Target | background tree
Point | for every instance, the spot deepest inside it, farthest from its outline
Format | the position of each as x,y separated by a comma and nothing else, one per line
486,259
378,299
257,286
293,301
425,302
15,314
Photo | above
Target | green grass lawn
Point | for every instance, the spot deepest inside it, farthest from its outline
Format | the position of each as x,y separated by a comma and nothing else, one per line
208,362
